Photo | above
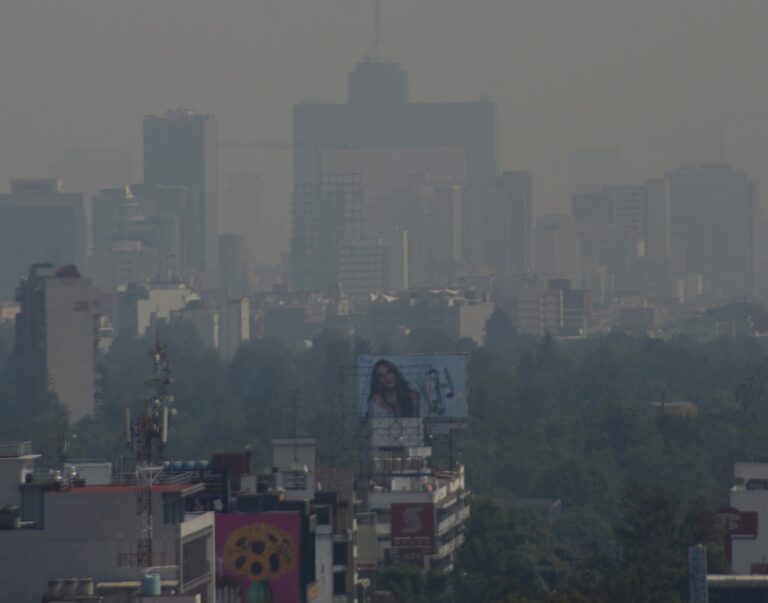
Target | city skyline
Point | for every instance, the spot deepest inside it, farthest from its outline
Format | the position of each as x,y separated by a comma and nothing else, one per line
579,52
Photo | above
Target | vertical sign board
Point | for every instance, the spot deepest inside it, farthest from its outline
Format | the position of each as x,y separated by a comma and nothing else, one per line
413,525
259,552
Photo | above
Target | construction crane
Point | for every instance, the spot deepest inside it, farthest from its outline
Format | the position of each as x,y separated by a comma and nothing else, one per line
147,436
278,146
285,146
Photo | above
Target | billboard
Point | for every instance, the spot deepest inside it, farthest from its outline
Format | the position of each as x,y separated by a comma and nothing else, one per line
259,554
413,525
428,385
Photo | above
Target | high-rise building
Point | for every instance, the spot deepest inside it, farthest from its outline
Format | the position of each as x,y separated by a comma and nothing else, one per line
510,224
558,253
38,223
234,269
658,242
428,210
619,206
139,236
324,214
364,268
713,221
171,209
624,233
180,149
245,214
449,139
56,336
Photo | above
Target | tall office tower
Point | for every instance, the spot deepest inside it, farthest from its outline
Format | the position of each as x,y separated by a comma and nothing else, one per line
386,132
658,242
641,212
119,216
364,268
55,336
692,147
180,149
558,253
244,215
38,223
510,224
234,269
761,255
592,169
87,170
623,232
132,242
619,207
324,214
713,218
429,210
172,210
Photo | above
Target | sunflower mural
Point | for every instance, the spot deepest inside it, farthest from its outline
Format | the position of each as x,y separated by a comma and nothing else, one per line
260,553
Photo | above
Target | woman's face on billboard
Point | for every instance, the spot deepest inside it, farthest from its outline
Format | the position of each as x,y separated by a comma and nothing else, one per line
386,376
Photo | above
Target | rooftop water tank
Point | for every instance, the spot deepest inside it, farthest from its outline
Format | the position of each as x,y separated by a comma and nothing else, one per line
150,585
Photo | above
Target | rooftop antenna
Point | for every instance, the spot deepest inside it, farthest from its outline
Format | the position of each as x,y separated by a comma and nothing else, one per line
147,436
296,465
374,52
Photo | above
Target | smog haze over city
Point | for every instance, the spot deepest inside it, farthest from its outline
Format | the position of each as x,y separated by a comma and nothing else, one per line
565,75
383,301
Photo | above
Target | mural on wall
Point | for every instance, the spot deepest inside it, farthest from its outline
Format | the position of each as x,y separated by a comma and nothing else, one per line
259,553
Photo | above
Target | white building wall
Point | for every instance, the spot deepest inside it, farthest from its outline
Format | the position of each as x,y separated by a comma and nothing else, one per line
88,534
748,551
324,564
234,326
161,302
70,344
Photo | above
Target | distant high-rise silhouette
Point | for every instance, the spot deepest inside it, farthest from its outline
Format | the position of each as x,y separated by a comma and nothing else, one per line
558,253
180,149
38,223
378,115
56,336
624,234
713,222
509,225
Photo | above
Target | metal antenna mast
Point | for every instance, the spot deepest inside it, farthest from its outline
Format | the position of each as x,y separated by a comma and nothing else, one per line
149,427
374,53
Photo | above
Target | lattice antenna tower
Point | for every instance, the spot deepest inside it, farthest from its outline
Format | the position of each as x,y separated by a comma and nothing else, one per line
147,436
374,52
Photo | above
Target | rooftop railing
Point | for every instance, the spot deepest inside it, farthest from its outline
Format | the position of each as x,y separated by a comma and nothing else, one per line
15,449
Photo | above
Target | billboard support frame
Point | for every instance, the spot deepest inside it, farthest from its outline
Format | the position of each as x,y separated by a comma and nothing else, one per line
352,435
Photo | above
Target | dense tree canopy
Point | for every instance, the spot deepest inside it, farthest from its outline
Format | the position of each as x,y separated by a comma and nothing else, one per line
570,420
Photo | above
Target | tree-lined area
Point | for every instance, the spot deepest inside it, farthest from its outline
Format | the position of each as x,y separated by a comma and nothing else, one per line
590,422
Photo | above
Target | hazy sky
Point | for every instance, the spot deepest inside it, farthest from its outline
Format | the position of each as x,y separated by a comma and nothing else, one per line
565,74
